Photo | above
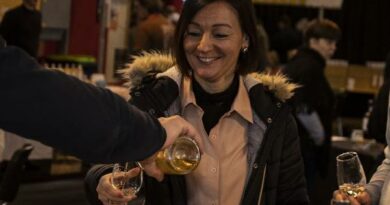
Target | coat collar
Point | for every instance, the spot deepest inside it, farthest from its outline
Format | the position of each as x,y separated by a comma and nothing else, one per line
163,65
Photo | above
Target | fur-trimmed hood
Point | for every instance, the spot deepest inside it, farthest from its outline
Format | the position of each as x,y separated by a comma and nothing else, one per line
164,64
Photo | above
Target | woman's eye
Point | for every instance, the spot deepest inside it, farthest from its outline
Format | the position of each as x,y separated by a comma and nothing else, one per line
193,33
221,35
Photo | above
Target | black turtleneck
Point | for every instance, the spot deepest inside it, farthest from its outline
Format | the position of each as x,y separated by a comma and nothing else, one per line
216,104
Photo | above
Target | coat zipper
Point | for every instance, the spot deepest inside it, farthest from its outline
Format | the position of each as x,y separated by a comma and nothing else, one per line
262,185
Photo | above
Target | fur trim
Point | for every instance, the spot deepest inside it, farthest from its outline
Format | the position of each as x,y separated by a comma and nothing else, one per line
277,83
159,63
143,64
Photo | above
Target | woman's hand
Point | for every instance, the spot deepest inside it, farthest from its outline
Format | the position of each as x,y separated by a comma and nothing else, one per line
109,194
361,199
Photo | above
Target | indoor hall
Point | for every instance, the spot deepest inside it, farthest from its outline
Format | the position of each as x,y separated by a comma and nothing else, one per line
94,40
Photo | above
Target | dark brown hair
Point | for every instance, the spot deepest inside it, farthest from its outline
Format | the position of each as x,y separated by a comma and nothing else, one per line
152,6
247,20
322,29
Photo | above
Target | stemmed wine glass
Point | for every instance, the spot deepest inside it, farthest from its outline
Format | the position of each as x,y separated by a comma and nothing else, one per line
350,174
126,178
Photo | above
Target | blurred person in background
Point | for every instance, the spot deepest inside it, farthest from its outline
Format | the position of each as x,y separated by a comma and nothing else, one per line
155,31
313,102
172,14
286,39
138,14
378,116
21,27
264,47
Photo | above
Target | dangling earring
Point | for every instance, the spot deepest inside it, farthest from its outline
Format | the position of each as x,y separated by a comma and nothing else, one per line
244,50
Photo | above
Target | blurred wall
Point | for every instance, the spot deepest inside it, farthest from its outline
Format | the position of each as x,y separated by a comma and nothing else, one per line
84,28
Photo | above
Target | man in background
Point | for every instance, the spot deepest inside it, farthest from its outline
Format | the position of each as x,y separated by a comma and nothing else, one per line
155,32
21,27
378,116
286,39
313,102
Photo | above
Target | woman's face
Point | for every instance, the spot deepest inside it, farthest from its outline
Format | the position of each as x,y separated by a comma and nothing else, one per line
213,41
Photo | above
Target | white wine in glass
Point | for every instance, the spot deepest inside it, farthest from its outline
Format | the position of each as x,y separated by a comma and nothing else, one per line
126,179
350,174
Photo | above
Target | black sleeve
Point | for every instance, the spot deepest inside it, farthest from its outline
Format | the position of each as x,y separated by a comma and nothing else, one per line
3,43
6,26
378,116
76,117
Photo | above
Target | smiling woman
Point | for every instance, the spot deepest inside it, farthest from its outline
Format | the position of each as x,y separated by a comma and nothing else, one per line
242,118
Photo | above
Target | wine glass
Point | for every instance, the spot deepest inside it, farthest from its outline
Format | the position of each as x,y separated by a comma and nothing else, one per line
350,174
126,178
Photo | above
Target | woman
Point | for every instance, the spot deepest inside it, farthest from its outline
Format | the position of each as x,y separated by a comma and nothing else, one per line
251,149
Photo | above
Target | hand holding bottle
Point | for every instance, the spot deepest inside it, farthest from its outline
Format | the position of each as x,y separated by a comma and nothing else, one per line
176,126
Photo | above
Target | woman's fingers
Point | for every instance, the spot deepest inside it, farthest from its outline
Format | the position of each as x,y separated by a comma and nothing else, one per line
133,172
109,194
339,196
361,199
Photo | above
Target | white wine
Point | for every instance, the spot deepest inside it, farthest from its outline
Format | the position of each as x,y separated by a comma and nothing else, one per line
129,191
123,180
352,189
176,165
183,165
118,180
181,158
126,189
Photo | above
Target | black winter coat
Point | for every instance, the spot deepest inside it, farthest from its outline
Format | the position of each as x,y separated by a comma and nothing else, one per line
277,174
378,117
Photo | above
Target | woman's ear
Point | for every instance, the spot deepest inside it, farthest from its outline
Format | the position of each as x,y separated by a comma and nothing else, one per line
245,41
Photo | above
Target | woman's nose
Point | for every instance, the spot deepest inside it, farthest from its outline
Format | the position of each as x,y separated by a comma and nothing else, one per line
205,43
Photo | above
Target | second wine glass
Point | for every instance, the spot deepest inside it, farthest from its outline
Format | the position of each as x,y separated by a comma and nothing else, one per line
126,178
350,174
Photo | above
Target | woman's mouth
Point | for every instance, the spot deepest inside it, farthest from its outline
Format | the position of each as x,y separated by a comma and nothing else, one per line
207,59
